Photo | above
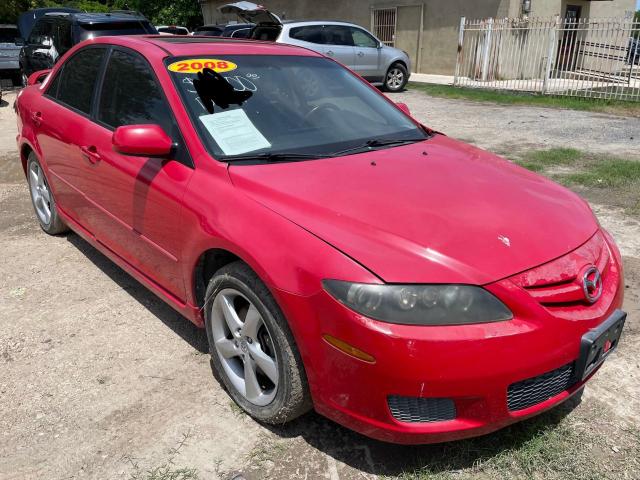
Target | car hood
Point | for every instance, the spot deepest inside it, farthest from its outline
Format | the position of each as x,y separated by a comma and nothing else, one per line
437,211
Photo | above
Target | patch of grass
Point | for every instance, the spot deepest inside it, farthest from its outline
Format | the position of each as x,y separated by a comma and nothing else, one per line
608,173
538,160
561,449
502,97
609,180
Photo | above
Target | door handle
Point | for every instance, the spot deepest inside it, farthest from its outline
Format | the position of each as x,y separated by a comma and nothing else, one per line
91,153
330,53
36,117
361,54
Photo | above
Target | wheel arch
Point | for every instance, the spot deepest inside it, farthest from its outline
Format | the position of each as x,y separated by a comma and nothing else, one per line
208,263
25,150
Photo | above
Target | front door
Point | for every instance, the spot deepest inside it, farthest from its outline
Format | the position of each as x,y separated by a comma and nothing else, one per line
139,198
368,55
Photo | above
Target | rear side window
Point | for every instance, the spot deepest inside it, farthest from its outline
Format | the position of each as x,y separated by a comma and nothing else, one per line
79,77
8,34
337,35
62,38
309,33
131,95
41,32
115,28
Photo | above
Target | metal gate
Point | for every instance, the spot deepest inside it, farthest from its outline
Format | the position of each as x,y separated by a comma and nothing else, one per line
383,21
596,58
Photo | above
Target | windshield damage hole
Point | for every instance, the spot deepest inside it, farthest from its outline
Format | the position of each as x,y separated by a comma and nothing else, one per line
213,88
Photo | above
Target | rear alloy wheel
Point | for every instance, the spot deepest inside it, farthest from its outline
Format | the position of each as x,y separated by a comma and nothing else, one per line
42,198
252,349
396,78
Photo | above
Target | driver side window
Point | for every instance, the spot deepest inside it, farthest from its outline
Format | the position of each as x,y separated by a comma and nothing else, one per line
363,39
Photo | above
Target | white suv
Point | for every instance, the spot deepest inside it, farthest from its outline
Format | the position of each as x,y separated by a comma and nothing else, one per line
347,43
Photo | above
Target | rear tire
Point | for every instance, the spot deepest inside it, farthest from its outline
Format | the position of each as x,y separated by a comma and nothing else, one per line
42,199
396,78
252,349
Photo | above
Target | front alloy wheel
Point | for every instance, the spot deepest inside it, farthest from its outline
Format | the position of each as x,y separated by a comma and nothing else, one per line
244,346
396,78
253,352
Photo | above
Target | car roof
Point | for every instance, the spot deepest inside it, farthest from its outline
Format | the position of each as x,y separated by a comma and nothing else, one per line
318,22
188,45
88,18
8,25
108,17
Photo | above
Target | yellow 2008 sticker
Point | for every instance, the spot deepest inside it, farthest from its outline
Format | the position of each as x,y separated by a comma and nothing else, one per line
195,65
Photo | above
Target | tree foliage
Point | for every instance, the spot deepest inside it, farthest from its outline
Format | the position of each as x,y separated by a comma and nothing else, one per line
160,12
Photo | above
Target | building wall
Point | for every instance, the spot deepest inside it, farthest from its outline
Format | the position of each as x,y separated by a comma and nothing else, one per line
595,8
440,20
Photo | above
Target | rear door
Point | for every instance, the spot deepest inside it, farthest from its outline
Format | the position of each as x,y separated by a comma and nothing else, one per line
139,198
368,56
338,44
63,119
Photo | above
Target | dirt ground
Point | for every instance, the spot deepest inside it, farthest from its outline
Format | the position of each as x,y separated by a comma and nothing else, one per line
101,380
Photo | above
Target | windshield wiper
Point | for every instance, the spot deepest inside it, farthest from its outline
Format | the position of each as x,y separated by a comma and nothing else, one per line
269,157
373,144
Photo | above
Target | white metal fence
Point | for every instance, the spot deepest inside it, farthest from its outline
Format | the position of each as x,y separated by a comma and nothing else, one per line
596,58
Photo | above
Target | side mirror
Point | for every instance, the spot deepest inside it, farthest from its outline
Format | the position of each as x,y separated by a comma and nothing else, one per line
380,45
38,77
143,140
20,42
404,108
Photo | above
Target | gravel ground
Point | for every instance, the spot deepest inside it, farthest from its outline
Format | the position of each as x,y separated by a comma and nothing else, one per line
101,380
505,128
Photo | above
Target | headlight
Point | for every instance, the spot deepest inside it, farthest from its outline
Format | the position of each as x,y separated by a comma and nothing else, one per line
420,304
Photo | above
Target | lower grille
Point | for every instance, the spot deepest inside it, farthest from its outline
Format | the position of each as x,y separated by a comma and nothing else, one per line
415,410
533,391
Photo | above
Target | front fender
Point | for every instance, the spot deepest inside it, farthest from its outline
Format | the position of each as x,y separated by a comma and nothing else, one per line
286,257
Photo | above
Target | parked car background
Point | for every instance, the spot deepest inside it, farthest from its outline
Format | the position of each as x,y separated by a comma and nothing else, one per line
172,30
209,30
347,43
9,52
50,33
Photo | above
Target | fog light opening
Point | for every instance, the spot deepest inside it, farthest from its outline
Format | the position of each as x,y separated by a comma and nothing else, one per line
350,350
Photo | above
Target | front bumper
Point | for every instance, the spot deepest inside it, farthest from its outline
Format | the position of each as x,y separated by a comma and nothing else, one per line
472,365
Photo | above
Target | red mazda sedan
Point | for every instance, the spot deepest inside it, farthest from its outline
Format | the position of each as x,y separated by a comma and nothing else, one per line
340,255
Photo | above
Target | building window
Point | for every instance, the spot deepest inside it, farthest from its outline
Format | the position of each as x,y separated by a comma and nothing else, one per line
384,25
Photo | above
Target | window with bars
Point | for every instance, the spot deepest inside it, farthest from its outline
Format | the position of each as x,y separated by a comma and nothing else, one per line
384,25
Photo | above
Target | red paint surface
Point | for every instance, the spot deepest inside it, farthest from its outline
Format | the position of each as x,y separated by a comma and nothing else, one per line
435,212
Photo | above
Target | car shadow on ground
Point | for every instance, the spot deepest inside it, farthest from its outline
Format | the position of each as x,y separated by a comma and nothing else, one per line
385,459
346,446
191,334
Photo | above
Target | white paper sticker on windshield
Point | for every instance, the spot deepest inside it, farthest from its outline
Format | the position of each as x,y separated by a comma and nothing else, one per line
234,132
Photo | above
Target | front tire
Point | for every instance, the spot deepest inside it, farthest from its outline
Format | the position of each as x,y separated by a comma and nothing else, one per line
252,349
42,199
396,78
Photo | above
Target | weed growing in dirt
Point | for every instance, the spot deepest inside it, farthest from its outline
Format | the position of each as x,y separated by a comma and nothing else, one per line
598,178
166,471
538,160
